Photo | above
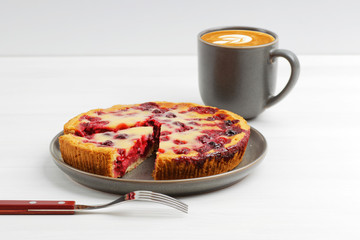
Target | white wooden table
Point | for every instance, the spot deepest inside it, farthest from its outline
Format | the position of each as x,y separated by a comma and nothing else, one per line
308,186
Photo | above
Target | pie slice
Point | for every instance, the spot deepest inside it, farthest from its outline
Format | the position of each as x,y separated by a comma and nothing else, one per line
109,153
190,140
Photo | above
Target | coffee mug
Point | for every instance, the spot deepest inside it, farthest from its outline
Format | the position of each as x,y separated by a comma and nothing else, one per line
237,69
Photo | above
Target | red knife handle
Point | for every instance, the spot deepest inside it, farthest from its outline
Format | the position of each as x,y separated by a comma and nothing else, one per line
36,207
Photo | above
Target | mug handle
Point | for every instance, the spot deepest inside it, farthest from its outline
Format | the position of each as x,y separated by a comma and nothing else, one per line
295,71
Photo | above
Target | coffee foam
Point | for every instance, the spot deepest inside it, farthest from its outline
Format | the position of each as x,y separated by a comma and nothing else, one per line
233,38
238,38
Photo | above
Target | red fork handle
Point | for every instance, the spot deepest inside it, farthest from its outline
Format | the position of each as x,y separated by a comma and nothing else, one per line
33,207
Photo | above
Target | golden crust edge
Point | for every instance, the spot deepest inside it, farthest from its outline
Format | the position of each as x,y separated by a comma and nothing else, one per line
86,156
167,169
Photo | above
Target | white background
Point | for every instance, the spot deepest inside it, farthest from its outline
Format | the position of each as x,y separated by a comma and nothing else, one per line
308,185
141,27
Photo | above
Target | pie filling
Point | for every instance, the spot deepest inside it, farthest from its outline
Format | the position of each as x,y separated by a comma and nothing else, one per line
186,133
133,145
203,132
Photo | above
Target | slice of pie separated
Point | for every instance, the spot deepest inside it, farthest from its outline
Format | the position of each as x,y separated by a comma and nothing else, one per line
110,153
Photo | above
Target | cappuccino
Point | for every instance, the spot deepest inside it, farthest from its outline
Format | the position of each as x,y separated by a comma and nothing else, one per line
237,38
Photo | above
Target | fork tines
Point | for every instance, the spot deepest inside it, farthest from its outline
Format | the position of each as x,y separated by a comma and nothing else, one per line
161,198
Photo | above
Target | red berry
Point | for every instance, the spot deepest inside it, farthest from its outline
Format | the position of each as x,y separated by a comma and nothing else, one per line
179,142
182,151
203,110
204,138
164,133
165,138
230,132
107,143
121,136
170,115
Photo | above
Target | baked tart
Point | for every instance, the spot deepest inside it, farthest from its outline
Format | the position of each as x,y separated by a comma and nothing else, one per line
189,140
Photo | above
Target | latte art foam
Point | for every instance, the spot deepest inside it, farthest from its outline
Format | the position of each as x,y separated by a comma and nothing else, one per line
233,38
238,38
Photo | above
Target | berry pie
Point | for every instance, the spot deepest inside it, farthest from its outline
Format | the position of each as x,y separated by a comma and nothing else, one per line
189,140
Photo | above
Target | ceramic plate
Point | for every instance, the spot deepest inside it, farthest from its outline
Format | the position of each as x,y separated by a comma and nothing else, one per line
140,178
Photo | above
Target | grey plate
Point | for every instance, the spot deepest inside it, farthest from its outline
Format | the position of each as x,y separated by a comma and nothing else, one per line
140,178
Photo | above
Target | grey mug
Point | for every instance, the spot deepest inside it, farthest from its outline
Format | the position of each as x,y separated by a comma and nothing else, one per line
242,79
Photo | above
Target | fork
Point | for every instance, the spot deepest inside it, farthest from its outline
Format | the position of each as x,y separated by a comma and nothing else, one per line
69,207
